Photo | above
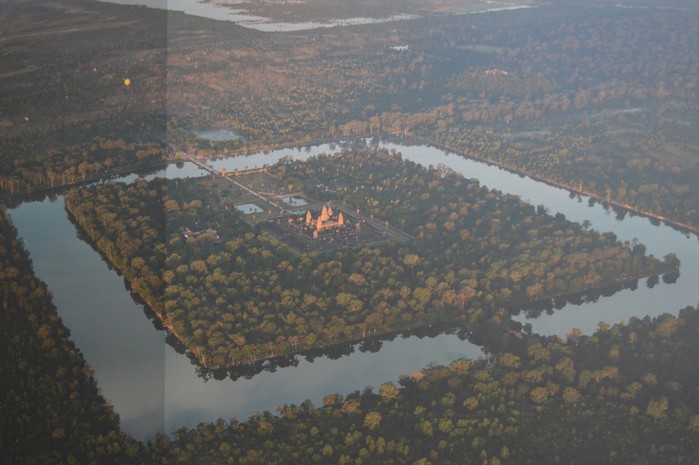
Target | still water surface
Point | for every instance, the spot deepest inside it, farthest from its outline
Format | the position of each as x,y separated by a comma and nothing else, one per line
239,16
232,13
154,388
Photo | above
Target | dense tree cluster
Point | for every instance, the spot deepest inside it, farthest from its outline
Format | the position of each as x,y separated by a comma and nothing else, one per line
603,101
634,179
26,167
240,295
614,101
595,102
51,410
66,113
627,394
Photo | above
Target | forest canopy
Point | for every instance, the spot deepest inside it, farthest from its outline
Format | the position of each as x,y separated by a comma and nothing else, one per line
51,410
597,97
233,291
626,394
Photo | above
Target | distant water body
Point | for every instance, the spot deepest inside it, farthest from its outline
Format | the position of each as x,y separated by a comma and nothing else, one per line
241,17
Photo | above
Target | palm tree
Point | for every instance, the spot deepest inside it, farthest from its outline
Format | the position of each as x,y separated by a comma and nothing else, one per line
411,260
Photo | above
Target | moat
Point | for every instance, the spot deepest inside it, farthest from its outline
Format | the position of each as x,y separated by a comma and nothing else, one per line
153,387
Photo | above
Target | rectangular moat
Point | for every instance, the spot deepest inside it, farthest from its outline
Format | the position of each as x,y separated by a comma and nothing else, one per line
46,231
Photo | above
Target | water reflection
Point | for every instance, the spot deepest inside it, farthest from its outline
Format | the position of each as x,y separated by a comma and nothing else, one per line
231,12
52,195
105,323
310,376
659,239
154,387
242,17
371,344
590,296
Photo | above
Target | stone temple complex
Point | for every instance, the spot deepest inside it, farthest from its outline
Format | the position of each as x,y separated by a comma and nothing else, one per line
326,228
325,221
325,224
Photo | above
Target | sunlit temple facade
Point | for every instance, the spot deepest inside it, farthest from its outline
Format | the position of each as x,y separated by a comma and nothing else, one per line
326,220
